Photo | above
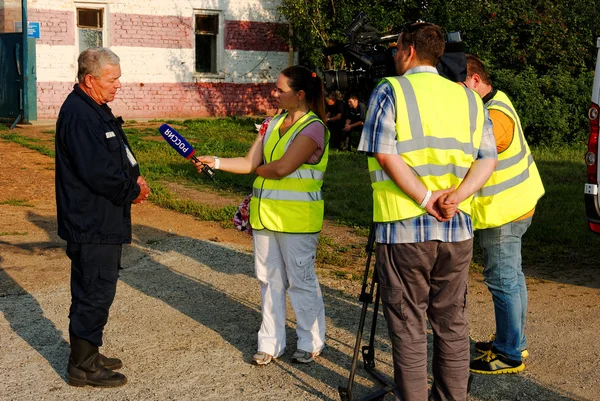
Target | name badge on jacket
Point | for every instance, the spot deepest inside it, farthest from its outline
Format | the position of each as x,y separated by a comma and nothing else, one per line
132,160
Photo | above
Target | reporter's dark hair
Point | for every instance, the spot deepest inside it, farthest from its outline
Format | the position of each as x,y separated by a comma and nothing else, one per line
426,38
476,66
302,79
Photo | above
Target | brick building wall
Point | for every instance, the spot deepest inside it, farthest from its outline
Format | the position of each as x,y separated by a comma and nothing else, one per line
170,100
58,27
152,31
10,12
156,43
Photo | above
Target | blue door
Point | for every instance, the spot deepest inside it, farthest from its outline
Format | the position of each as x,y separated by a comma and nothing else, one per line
11,76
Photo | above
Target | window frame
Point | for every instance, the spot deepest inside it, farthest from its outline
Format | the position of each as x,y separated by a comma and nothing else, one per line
219,43
95,6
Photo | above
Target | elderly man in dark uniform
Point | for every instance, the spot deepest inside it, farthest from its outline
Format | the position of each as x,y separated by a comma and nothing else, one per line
97,180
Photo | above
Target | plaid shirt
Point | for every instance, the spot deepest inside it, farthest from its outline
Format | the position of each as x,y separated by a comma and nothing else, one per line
379,136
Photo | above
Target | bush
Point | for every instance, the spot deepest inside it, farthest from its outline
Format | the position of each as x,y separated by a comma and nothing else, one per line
542,53
552,107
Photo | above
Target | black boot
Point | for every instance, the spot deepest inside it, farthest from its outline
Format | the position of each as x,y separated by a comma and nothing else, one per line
109,363
85,369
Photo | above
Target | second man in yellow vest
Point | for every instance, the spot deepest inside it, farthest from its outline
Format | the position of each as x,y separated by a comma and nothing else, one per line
502,210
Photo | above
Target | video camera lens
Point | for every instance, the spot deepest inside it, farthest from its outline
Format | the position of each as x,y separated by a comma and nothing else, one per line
335,80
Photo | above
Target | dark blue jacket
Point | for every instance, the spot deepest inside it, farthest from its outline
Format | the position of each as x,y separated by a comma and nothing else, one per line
95,181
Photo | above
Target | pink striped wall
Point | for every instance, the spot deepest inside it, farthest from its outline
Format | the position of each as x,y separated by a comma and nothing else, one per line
171,99
152,100
252,35
58,28
151,31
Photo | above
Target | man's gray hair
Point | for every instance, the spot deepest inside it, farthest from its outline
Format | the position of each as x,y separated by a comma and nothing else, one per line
92,60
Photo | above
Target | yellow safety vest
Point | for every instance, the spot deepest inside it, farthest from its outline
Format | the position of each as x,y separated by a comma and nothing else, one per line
515,185
439,126
293,204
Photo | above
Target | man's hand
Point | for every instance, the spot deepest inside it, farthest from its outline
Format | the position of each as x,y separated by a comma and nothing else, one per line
144,190
433,206
347,128
448,205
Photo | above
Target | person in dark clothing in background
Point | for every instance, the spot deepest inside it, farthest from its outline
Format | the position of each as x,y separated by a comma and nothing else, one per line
334,109
97,180
355,119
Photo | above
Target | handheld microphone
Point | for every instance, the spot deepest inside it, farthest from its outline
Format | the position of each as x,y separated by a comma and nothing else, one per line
182,147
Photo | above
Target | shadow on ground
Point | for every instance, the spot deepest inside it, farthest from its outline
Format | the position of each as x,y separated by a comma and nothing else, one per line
204,303
26,318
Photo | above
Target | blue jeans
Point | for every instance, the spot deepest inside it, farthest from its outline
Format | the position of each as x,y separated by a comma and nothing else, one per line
504,278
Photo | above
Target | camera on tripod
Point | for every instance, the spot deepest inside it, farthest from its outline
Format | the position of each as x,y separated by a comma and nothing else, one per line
370,57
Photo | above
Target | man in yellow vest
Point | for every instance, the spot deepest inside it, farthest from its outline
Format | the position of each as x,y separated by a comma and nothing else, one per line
423,134
502,210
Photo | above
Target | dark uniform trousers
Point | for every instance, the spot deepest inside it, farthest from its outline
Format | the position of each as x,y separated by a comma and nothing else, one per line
94,275
427,279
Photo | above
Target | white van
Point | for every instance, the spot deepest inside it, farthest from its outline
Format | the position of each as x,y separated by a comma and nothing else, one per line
592,207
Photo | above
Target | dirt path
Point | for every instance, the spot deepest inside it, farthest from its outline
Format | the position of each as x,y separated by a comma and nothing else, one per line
187,311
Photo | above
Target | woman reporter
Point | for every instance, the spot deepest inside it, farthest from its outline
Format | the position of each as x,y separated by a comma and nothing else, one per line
286,214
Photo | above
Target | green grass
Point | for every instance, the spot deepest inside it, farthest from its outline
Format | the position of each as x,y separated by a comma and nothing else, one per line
558,239
10,233
329,252
16,202
224,137
347,192
44,147
162,197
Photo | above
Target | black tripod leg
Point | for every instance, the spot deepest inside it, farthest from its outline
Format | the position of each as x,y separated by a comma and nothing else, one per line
368,351
365,298
369,357
346,392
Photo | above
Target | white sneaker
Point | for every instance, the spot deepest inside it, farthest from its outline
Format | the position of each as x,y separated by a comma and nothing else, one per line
304,356
261,358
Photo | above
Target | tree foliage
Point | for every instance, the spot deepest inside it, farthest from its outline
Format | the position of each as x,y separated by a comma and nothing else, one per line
317,24
541,53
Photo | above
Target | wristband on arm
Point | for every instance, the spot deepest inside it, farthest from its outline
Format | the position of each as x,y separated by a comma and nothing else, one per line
426,199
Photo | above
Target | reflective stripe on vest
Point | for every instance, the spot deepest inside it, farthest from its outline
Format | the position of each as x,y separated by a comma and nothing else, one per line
507,108
312,174
419,141
515,185
287,195
428,169
494,189
293,204
272,124
449,134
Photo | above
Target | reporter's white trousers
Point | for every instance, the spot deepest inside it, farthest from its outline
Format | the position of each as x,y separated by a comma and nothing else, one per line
279,259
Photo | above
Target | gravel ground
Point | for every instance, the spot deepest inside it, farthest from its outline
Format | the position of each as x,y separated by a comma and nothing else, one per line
187,310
